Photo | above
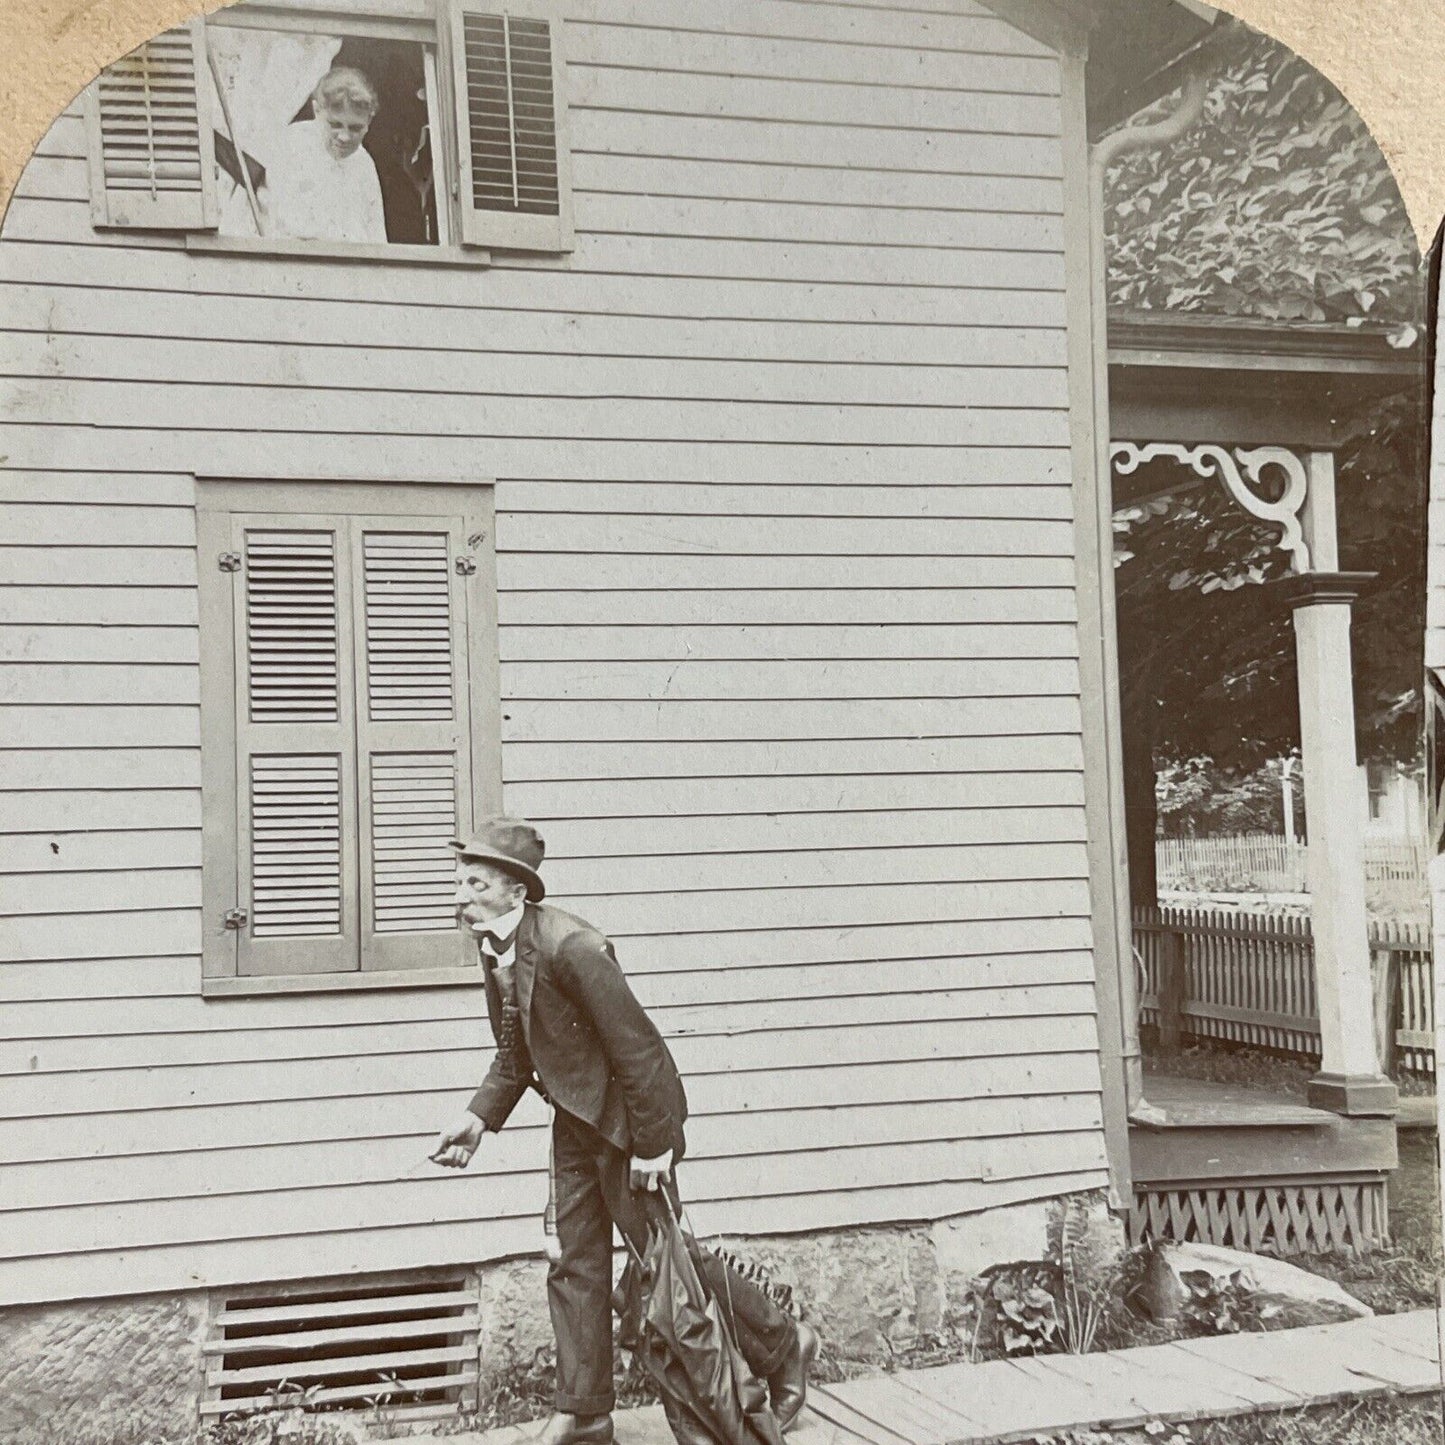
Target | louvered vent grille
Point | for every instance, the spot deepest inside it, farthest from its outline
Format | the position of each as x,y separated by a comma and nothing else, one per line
296,845
414,818
408,626
149,126
512,113
291,626
409,1346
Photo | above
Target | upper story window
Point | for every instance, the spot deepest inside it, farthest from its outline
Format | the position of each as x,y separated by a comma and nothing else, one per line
428,128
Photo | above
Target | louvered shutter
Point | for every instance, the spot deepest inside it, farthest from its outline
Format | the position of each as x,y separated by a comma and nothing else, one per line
413,704
515,172
151,147
349,726
295,744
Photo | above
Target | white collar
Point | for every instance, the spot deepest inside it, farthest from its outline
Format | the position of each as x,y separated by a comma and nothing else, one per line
504,927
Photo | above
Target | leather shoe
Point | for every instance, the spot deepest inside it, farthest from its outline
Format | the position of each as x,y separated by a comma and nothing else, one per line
562,1429
788,1387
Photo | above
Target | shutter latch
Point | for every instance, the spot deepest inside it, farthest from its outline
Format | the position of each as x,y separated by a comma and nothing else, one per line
229,561
466,566
236,918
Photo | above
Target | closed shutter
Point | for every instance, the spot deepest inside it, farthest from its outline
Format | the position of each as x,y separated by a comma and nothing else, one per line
295,732
151,147
348,724
413,727
515,183
343,686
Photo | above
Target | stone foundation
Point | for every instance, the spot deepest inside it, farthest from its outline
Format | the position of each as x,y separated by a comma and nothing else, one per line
131,1366
134,1366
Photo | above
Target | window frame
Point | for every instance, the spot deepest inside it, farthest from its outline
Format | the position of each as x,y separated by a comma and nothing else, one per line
431,24
218,501
406,24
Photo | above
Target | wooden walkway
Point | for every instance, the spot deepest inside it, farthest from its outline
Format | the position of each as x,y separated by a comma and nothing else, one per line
1009,1400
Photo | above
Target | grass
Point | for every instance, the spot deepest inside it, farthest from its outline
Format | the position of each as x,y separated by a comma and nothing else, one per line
269,1429
1415,1189
1387,1420
1391,1279
1378,1420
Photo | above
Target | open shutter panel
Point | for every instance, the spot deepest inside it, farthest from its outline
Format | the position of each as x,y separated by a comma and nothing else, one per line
295,727
414,750
515,182
152,157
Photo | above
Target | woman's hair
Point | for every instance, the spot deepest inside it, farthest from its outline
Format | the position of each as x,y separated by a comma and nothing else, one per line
345,85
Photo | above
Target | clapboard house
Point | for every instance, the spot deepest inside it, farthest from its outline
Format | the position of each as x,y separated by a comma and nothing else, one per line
710,464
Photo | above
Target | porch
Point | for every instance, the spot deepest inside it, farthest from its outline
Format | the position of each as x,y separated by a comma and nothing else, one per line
1196,401
1256,1169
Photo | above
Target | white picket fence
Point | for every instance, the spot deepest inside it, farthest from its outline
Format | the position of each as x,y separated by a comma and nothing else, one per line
1265,863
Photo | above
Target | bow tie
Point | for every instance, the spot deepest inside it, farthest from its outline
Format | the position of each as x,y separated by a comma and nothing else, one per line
494,945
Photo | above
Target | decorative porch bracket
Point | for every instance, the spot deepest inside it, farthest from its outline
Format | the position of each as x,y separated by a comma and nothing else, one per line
1240,472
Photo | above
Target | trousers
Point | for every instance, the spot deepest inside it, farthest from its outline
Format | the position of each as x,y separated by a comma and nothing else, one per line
593,1194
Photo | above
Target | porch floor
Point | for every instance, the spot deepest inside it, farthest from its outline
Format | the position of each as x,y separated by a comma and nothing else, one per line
1181,1103
1016,1400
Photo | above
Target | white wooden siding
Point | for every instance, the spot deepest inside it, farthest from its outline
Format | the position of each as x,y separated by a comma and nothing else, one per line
789,659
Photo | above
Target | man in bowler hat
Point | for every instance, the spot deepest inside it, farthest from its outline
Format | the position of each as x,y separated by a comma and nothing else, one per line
567,1023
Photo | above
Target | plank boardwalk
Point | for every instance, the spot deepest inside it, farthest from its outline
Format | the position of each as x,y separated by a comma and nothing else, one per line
1014,1400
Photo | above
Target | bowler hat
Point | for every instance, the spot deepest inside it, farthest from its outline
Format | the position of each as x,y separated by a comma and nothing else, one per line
514,845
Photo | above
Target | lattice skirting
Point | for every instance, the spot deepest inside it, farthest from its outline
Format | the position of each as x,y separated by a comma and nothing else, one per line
1267,1218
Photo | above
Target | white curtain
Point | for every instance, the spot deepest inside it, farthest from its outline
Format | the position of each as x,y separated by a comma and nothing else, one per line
267,76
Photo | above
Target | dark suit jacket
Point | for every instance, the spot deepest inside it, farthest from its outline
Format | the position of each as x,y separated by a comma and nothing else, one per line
594,1050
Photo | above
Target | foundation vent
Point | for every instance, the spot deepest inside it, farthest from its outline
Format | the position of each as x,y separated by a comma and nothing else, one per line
403,1346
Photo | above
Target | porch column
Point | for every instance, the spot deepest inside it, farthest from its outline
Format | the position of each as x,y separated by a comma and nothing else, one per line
1349,1081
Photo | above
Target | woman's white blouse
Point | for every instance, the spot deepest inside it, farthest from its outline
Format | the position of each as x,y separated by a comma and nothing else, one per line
315,196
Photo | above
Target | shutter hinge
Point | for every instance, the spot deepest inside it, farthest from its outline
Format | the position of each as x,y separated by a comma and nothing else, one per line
236,918
466,566
229,561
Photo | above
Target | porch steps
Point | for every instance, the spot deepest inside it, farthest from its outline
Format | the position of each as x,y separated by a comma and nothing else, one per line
1017,1400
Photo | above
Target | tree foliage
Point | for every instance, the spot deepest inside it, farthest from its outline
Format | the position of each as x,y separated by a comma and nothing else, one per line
1277,205
1196,797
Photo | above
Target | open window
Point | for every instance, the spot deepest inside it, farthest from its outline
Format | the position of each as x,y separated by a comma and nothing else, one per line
323,136
301,130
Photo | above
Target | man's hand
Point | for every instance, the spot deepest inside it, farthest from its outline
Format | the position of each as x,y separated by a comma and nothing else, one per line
647,1173
456,1145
